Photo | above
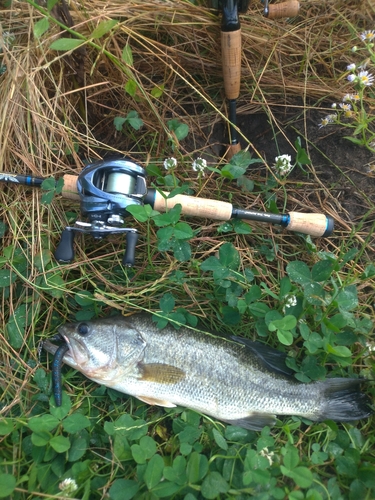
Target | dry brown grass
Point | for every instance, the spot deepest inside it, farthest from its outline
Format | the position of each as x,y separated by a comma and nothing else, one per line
53,106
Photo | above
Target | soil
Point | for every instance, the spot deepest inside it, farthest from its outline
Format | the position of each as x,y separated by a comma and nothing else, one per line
344,170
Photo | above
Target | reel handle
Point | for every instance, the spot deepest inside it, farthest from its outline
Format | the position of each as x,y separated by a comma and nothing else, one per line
131,242
280,10
65,249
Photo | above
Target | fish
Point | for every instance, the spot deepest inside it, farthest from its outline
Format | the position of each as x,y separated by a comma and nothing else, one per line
234,380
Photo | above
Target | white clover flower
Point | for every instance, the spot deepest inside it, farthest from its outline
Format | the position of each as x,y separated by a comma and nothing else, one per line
365,78
283,164
367,36
291,301
352,78
351,67
68,486
199,165
170,163
267,454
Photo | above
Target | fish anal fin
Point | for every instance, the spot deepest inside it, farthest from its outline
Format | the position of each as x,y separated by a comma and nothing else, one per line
160,373
157,402
254,421
271,358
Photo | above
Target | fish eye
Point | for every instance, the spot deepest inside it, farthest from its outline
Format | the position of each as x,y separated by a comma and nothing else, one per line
83,329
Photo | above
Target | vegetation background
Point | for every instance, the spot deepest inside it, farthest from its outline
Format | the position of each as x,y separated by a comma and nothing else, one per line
144,79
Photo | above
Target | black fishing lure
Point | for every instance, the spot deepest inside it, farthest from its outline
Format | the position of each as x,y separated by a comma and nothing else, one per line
56,373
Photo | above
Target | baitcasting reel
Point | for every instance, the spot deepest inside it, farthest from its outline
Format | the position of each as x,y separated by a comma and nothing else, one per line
106,188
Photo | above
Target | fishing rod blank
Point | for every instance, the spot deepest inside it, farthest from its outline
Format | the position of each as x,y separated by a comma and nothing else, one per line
22,180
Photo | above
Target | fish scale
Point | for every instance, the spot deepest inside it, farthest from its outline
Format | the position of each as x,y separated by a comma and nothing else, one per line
235,380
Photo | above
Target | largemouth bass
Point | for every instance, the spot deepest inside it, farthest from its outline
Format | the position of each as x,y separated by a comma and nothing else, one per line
235,380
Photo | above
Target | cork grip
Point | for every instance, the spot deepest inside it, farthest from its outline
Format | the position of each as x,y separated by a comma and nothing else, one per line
196,207
231,60
233,149
70,187
284,9
313,224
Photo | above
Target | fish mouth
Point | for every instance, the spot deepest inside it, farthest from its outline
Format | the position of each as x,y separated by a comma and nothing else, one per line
77,351
70,353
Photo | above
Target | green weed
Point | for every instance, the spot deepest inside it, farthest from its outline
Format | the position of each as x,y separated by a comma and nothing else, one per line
353,112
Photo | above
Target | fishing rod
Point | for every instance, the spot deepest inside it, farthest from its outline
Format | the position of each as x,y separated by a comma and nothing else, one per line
107,187
231,52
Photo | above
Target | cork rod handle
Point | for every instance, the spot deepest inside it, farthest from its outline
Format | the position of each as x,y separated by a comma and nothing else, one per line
312,224
231,61
196,207
70,187
284,9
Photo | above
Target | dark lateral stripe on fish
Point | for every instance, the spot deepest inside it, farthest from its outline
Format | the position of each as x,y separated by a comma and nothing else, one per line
56,373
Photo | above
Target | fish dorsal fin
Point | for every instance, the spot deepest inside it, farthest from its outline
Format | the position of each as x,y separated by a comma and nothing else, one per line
271,358
157,402
161,373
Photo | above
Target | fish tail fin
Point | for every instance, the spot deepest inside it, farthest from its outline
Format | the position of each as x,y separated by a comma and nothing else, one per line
344,402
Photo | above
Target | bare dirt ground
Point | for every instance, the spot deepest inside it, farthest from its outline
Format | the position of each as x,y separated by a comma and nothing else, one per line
345,170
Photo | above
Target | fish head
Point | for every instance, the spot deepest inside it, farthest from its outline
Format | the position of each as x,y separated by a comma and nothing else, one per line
103,349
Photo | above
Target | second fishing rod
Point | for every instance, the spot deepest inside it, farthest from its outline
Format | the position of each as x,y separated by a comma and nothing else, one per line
231,52
106,188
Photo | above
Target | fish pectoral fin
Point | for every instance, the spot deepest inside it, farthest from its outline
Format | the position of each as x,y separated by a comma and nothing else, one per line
157,402
160,373
254,421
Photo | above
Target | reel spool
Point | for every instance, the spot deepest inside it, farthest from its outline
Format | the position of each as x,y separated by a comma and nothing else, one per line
106,188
